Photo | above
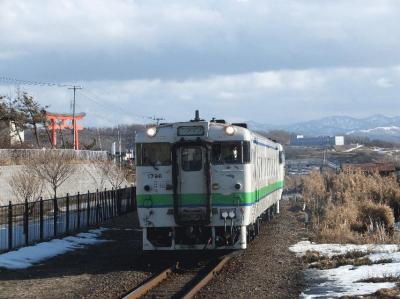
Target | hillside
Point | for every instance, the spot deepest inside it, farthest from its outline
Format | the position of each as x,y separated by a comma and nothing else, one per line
374,127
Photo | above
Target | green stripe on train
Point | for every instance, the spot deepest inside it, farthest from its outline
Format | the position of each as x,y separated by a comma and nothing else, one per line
237,198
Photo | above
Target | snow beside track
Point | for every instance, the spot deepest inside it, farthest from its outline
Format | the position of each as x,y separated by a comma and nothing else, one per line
345,280
28,256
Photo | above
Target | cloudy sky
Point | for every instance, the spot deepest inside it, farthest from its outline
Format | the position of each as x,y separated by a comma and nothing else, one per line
269,61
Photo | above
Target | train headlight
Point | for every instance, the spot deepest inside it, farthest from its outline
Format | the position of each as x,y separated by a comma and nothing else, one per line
231,214
229,130
151,132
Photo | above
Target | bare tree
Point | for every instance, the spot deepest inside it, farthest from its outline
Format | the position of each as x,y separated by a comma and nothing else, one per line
54,167
101,177
112,173
26,185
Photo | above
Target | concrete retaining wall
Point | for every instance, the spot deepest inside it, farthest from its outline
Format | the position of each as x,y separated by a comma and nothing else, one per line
85,178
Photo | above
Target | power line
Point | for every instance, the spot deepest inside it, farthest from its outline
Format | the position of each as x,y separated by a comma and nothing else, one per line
121,109
29,82
74,87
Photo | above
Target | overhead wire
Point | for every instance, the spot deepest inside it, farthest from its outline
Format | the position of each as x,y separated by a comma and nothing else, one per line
93,97
87,93
29,82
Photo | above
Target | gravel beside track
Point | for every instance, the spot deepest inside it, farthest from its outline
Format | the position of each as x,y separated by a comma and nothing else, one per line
267,269
102,271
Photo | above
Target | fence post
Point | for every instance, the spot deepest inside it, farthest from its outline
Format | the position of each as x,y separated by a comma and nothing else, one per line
96,202
104,204
55,220
109,204
41,219
78,223
118,193
88,209
133,201
112,202
26,222
67,215
10,225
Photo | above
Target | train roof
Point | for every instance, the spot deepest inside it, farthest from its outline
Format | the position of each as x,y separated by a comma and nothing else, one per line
215,130
168,132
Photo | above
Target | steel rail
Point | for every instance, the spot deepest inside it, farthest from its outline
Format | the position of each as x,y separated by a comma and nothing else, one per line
154,281
206,279
148,285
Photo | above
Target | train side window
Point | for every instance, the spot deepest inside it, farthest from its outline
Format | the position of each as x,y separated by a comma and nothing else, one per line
246,151
138,154
281,157
153,154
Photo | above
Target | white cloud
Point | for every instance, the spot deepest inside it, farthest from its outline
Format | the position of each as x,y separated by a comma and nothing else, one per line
237,59
384,83
274,96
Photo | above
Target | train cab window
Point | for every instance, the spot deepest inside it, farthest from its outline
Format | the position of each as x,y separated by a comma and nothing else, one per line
191,158
153,154
281,157
231,152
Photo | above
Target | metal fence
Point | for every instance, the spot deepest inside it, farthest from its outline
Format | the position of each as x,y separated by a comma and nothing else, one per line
17,155
32,222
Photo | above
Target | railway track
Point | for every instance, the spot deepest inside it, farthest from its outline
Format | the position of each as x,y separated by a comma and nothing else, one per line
183,280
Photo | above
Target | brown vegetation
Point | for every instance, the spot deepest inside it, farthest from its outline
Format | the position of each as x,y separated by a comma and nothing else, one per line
26,184
352,207
356,258
53,167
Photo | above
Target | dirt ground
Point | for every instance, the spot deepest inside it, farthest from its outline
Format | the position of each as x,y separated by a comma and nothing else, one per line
102,271
265,270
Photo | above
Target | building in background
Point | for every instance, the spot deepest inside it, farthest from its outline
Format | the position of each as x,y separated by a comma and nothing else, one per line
300,140
9,134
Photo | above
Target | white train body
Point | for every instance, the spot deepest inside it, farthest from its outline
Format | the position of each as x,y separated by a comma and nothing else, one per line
204,185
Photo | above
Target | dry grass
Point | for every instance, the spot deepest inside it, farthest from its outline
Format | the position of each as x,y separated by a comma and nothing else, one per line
356,258
385,278
393,293
352,208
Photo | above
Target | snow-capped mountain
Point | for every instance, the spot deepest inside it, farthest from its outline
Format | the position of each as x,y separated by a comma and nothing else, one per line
375,127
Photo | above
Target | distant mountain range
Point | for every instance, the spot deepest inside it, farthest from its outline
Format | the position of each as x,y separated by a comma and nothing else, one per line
374,127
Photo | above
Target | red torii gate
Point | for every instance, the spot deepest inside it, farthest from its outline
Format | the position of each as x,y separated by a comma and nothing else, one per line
58,121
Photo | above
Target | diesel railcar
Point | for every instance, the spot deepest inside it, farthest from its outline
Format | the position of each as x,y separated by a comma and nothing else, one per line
205,184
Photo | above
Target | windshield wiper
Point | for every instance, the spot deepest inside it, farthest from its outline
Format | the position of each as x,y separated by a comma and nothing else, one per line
153,164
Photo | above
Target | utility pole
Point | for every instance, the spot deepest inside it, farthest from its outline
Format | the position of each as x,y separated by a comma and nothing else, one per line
120,149
74,88
98,133
157,119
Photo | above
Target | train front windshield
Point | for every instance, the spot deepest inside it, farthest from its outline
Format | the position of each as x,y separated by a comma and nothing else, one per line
224,152
153,154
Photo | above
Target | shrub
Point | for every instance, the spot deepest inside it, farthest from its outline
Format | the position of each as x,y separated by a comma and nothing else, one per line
352,207
372,216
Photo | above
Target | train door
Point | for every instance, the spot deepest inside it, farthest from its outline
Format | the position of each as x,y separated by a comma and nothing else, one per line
193,193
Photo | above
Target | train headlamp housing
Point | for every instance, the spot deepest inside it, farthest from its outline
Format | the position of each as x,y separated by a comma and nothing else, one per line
151,132
229,130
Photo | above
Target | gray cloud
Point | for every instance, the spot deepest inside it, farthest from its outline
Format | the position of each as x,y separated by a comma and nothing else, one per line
271,61
80,40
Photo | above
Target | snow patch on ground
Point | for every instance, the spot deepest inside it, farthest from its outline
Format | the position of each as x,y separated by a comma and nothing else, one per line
344,280
353,148
335,249
28,256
